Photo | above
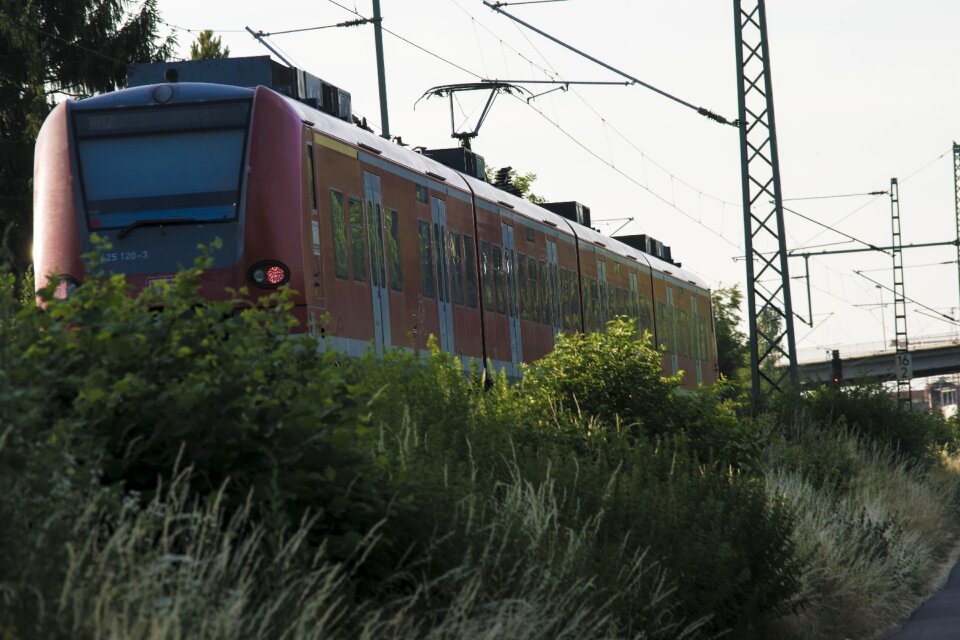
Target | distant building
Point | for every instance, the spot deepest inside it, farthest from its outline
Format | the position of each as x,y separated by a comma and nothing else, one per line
918,398
942,395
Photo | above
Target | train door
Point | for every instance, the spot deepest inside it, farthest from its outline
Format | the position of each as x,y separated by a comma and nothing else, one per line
445,307
314,265
513,317
378,267
554,282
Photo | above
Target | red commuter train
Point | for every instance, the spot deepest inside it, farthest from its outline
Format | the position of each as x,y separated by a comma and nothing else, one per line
383,245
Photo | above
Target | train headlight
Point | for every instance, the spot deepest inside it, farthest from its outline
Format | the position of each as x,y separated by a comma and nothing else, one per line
66,285
269,274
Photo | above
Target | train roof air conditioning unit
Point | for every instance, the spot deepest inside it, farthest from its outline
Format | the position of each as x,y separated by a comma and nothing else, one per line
459,159
571,210
248,72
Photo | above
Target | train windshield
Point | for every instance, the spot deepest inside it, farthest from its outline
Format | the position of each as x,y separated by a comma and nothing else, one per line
165,163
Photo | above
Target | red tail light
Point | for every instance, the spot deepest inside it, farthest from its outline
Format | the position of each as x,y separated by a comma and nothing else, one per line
269,274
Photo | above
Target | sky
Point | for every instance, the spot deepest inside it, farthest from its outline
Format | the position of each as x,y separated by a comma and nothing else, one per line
864,91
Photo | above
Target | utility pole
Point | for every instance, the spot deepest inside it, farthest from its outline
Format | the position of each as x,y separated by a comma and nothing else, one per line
381,72
768,274
899,302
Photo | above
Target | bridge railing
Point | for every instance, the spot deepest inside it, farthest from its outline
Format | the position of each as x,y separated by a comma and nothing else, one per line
878,347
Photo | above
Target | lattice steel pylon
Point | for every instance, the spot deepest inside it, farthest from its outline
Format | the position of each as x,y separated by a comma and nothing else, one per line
769,305
899,294
956,200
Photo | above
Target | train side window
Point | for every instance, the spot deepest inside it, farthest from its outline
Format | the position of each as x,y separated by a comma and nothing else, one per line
358,249
487,272
701,352
393,249
470,262
499,278
564,299
543,292
577,302
509,270
603,309
524,289
375,242
665,322
678,317
340,257
585,287
533,293
554,295
426,259
705,353
646,317
573,301
684,333
595,309
421,193
456,266
662,325
587,318
443,285
313,178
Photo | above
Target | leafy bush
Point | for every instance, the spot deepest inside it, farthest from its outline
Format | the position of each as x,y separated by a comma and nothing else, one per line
130,392
614,373
872,413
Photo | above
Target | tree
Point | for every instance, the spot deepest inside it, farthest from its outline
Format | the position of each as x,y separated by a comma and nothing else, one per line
524,181
731,341
769,329
518,183
207,47
49,50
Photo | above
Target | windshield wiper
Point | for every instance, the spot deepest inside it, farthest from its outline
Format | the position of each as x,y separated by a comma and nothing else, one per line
127,230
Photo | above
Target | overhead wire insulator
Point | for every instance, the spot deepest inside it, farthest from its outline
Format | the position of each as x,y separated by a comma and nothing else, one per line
717,117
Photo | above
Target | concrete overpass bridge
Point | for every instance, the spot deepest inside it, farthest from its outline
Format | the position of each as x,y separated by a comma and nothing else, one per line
928,356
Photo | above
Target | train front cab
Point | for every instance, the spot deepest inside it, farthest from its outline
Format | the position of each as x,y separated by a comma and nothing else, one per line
156,171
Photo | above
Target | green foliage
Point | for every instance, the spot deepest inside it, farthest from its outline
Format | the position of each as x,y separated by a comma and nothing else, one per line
522,181
609,374
874,414
397,495
131,392
731,341
207,47
27,287
49,49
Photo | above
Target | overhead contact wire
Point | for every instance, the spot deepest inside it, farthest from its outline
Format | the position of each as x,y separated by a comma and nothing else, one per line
701,110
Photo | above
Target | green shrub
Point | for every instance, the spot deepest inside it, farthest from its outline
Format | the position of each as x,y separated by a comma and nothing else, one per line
591,491
130,391
609,374
874,414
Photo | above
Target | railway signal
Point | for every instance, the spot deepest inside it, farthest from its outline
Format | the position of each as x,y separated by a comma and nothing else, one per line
836,365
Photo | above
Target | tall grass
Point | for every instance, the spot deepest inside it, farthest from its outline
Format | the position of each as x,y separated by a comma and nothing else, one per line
396,497
873,537
179,567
